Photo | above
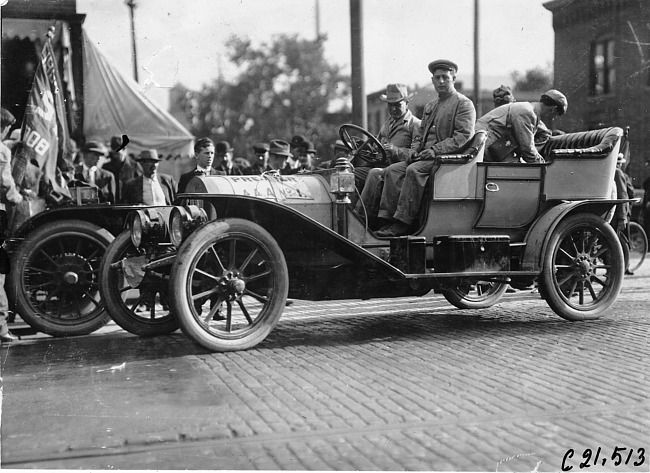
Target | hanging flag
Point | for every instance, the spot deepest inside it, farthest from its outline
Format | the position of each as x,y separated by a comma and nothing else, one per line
45,128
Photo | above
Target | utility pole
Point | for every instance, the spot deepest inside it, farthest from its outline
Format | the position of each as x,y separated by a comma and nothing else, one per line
359,106
131,5
477,73
317,19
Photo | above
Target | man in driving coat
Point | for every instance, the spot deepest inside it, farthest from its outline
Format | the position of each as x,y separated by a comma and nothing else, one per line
447,125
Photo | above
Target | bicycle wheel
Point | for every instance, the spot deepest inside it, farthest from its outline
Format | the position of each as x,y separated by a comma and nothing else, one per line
638,246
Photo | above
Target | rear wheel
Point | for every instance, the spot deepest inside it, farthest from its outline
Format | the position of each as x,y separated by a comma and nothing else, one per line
229,285
583,268
638,246
137,303
475,294
54,279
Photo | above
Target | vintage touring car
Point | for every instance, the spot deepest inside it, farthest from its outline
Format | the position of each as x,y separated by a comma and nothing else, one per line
223,265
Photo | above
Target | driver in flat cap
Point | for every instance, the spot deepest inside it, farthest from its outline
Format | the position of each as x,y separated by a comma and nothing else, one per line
447,124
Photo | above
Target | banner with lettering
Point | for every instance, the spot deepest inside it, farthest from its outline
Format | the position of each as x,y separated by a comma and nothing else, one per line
45,128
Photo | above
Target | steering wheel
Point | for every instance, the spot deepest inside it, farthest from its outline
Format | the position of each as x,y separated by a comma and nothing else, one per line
364,146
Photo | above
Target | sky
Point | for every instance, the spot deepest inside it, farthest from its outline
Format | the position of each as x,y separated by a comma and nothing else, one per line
184,42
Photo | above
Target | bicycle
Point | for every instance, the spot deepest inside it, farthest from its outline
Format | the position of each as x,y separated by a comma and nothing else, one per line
638,246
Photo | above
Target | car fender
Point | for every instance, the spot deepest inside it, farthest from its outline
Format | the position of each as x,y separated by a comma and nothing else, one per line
537,237
297,233
110,217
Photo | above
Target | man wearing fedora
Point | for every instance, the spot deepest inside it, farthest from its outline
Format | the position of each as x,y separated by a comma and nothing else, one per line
278,155
224,162
152,188
88,171
396,135
123,167
204,155
447,124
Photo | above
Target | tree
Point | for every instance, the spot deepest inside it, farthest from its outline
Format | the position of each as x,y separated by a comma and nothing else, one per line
537,78
281,88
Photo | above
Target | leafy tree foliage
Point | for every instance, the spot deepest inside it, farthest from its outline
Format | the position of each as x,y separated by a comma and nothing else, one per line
537,78
281,88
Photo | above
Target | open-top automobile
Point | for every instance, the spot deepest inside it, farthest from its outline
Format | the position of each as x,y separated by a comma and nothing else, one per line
222,265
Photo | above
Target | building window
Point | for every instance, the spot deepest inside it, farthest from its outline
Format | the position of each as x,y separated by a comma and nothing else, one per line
602,63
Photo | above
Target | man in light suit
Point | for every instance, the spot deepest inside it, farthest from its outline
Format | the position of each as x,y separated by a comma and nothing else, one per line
152,188
204,155
88,171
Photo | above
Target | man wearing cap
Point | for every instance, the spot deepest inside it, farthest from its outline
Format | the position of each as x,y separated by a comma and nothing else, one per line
152,188
260,150
224,163
204,155
278,155
516,130
447,124
123,167
396,135
88,171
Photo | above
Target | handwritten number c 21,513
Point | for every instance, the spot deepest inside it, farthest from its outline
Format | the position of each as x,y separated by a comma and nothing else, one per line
619,456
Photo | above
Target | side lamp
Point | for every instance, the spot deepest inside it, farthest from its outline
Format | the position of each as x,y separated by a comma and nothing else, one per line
342,181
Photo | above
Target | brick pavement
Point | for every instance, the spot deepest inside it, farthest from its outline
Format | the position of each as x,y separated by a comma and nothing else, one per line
360,385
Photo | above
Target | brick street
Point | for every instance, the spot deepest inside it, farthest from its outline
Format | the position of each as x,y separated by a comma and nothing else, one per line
401,384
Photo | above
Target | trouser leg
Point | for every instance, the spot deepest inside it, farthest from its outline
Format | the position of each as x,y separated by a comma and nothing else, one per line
410,199
4,306
369,202
393,181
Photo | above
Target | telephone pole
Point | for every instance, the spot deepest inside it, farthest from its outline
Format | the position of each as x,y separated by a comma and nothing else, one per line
359,106
131,5
477,73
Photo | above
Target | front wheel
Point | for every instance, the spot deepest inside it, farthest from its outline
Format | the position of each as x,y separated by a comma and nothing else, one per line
475,294
229,285
139,303
583,267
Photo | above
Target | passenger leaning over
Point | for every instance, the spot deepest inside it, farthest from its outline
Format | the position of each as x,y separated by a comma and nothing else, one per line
518,130
447,124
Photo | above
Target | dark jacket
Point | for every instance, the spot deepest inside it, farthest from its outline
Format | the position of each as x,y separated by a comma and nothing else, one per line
185,178
123,172
133,189
104,180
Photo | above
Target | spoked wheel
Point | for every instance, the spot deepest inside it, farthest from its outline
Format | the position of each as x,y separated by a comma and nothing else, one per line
54,278
229,285
638,246
583,268
475,294
138,303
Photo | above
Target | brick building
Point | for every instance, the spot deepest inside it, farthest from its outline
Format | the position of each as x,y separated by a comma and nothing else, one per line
602,64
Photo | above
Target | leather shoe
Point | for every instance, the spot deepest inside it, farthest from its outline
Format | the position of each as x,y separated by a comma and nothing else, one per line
9,337
629,273
395,230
